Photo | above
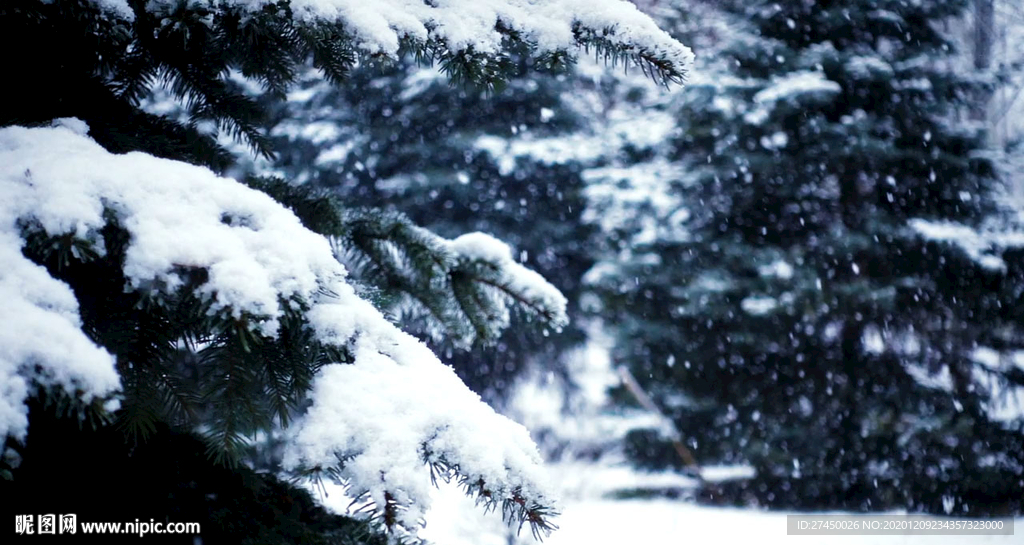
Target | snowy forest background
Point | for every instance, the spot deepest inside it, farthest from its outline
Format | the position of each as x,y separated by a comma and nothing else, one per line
789,284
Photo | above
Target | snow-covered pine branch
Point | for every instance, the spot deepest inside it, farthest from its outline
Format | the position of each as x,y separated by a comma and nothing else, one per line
463,288
475,31
201,50
493,274
384,421
467,285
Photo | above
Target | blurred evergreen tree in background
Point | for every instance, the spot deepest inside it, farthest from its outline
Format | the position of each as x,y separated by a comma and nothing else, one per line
835,304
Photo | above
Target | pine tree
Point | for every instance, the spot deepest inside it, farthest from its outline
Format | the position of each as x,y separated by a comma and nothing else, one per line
163,306
836,305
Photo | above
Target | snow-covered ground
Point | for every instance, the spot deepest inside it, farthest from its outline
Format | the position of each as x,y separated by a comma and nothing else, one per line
588,517
597,521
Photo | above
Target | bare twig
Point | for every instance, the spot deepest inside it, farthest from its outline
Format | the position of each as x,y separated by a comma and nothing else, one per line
645,401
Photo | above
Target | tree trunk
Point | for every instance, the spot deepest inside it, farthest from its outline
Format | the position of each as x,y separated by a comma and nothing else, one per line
984,37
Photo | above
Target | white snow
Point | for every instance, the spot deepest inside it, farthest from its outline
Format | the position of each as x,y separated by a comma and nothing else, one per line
872,340
379,26
596,520
795,84
524,282
727,473
942,380
40,326
393,411
866,67
584,421
777,140
780,269
119,8
791,87
335,154
987,357
178,215
640,198
550,151
396,400
642,128
758,305
419,81
1017,358
980,245
666,521
591,515
1005,401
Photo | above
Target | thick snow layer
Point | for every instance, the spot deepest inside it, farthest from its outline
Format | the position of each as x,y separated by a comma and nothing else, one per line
395,408
179,215
41,339
380,25
525,283
392,412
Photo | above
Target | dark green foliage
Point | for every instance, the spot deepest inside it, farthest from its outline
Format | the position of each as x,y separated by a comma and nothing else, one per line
317,210
202,387
179,363
105,66
186,367
94,472
798,326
